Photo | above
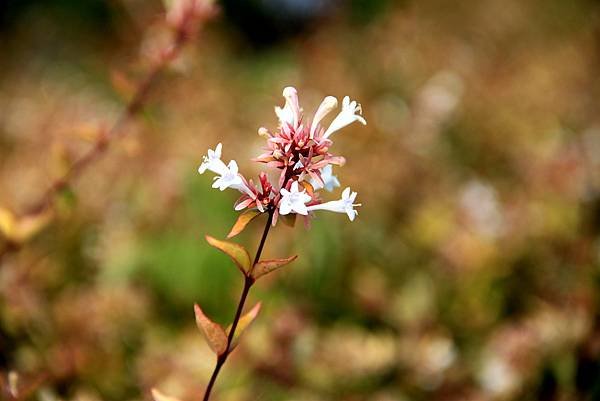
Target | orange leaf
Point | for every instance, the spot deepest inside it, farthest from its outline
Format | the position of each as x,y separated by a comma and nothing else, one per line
267,266
213,332
236,252
242,222
243,324
309,188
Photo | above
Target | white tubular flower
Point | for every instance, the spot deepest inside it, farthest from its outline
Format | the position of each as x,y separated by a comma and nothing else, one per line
213,162
232,179
229,178
290,113
284,115
346,117
331,181
293,200
344,205
328,104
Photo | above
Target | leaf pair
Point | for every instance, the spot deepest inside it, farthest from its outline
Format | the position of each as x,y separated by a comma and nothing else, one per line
216,336
239,255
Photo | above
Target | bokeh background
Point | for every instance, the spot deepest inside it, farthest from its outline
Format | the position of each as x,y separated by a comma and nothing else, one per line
472,272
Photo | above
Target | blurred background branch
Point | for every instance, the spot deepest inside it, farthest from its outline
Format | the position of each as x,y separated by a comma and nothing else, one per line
185,17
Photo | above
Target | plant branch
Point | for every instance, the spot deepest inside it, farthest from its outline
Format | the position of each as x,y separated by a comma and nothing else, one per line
103,142
248,282
130,110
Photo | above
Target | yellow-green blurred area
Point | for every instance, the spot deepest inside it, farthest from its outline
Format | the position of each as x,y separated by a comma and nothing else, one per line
471,272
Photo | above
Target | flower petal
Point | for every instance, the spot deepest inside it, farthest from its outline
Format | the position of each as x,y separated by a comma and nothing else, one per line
326,106
285,208
300,208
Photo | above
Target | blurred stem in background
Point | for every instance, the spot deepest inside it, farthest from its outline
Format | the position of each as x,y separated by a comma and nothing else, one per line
186,17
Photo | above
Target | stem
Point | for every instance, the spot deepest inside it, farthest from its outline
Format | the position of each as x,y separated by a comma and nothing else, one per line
248,282
103,142
213,378
131,109
263,238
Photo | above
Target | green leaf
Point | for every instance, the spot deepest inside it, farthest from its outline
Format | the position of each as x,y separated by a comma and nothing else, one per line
213,332
243,324
236,252
267,266
242,222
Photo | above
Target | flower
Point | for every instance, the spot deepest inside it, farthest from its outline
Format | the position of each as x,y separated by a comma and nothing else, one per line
346,117
293,200
300,149
330,181
232,179
328,104
213,162
290,113
259,199
229,178
344,205
228,175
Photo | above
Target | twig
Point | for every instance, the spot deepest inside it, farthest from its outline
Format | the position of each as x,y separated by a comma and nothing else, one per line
184,31
104,141
248,282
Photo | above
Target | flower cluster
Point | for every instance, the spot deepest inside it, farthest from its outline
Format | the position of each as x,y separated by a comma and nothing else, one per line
300,150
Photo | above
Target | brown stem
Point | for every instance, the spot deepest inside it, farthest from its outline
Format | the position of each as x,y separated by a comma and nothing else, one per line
248,282
103,142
